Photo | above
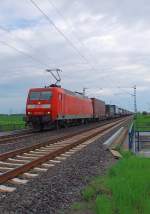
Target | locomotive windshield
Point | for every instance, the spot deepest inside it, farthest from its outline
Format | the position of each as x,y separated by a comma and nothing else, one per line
40,95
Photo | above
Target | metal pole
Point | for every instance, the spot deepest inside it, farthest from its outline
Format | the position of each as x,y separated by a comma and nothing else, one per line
84,91
135,104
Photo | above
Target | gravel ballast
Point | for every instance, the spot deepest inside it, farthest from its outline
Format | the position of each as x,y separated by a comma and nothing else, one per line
40,137
60,186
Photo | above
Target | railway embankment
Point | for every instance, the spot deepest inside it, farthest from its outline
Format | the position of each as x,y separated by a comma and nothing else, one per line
57,188
123,189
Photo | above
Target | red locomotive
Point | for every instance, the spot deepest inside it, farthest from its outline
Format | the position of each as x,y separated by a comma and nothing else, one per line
55,105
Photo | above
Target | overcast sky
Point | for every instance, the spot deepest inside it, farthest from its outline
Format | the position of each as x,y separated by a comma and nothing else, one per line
106,46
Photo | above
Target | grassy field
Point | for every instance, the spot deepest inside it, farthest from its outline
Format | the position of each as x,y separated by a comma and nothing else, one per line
142,122
11,122
124,190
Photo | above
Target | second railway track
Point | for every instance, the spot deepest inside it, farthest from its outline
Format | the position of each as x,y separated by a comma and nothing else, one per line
19,165
15,138
11,137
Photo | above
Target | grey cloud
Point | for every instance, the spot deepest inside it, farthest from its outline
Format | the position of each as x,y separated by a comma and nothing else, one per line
113,37
126,11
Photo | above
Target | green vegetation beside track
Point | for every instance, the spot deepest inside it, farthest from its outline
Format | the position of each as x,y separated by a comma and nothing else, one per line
142,122
125,189
11,122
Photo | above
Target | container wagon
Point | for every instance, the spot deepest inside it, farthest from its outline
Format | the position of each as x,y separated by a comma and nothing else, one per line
112,111
120,112
98,109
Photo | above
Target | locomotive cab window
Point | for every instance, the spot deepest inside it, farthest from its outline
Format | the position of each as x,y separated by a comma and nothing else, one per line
37,95
45,95
34,95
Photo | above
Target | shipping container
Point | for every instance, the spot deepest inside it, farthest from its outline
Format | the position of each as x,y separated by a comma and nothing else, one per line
120,111
98,109
110,111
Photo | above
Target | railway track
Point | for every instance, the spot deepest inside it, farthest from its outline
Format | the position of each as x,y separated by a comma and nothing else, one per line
17,166
13,138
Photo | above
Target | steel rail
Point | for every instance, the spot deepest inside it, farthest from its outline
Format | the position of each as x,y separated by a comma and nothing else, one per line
9,139
15,152
79,139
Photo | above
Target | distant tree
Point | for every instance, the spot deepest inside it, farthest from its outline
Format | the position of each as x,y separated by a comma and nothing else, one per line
144,113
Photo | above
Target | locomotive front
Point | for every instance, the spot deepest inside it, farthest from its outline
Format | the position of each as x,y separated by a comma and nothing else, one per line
38,107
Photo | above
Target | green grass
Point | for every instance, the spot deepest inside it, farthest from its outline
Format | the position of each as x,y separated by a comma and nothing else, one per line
11,122
103,204
142,122
125,189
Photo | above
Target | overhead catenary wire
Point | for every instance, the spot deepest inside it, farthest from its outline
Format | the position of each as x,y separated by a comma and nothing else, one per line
61,33
28,55
22,41
62,16
23,53
51,2
70,26
47,17
27,44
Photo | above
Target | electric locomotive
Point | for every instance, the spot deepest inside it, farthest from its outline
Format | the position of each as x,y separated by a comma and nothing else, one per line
56,106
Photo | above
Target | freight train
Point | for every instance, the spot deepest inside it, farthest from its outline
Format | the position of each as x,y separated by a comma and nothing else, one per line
55,106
